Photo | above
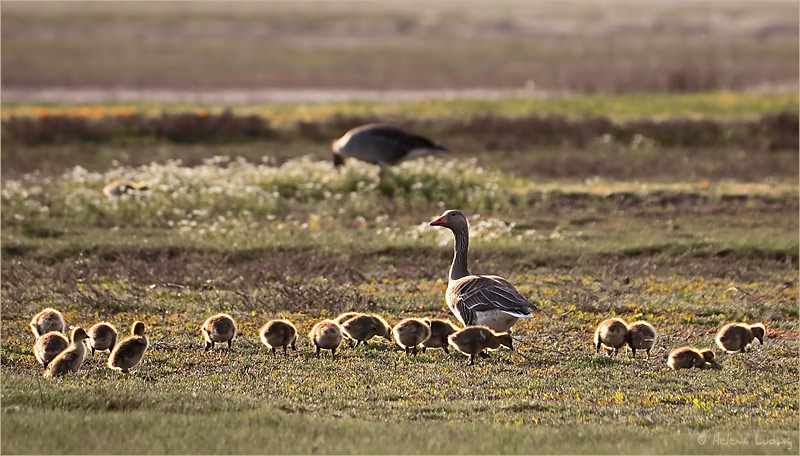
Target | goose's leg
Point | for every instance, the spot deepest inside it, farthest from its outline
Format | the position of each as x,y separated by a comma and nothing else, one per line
229,344
333,353
274,353
648,353
285,350
633,350
317,350
444,347
209,345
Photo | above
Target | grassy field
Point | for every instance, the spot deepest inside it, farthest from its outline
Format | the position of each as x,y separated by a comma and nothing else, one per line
564,46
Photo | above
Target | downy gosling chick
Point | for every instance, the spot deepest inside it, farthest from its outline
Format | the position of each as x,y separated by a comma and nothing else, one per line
279,333
47,320
102,336
346,316
735,337
362,328
71,358
473,340
411,332
440,331
326,335
610,335
219,328
641,336
130,351
689,357
49,346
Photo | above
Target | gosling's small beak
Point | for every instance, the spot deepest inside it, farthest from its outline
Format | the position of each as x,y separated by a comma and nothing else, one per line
441,221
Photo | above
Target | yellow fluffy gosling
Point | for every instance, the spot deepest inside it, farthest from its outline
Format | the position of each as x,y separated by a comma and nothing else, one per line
362,328
409,333
735,337
440,331
69,360
130,351
689,357
49,346
641,336
219,328
326,335
610,335
279,333
346,316
102,336
473,340
47,320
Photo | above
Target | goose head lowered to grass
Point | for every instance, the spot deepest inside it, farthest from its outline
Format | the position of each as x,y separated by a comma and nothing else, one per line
382,145
485,300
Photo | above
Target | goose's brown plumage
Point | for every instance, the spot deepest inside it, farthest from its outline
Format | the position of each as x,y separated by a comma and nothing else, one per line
71,358
409,333
326,335
486,300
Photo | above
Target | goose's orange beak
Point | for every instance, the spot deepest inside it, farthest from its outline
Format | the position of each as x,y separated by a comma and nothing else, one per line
441,221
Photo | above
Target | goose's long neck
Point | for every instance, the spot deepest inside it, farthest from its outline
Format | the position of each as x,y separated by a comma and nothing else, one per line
459,267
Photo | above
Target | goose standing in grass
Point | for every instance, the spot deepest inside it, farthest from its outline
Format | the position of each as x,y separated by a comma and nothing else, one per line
382,145
473,340
689,357
735,337
326,335
130,351
479,300
102,336
611,334
411,332
49,346
641,336
440,331
279,333
47,320
218,329
362,328
71,358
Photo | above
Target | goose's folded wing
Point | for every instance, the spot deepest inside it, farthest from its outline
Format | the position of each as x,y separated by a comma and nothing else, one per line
479,293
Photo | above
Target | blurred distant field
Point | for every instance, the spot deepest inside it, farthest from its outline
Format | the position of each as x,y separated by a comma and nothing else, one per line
657,46
631,159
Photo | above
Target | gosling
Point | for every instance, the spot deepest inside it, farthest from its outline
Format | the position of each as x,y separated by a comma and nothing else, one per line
49,346
279,333
326,335
689,357
47,320
610,335
473,340
130,351
219,328
411,332
440,331
119,187
102,336
346,316
735,337
364,327
641,336
71,358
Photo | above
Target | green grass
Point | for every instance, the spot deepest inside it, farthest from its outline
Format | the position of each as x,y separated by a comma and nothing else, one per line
307,242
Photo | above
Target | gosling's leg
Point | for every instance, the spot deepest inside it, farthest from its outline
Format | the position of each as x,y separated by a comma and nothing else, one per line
230,342
317,351
209,345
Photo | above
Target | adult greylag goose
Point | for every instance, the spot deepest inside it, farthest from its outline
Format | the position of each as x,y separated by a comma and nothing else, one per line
47,320
735,337
382,145
479,300
641,336
71,358
689,357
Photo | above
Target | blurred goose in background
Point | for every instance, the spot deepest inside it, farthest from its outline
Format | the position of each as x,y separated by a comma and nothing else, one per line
49,346
479,300
382,145
735,337
47,320
119,187
71,358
